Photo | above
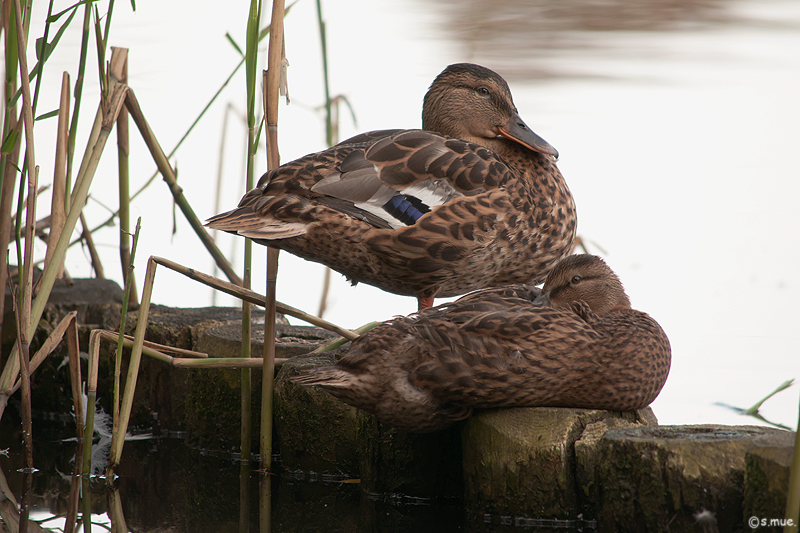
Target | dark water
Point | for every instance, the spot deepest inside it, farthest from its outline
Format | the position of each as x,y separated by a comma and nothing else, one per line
165,486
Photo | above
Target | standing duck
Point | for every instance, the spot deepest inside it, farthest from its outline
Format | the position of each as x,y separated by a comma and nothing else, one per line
575,343
472,200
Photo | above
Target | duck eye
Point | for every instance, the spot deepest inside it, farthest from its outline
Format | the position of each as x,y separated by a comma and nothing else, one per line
575,280
483,91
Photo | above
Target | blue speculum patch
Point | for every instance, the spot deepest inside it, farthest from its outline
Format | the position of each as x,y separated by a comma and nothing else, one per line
406,209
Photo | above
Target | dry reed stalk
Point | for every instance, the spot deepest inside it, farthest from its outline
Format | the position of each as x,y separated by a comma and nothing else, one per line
118,437
326,287
148,348
251,63
272,85
123,322
91,398
169,177
73,499
25,381
153,349
53,340
78,198
253,297
27,106
223,362
11,367
23,312
74,353
118,71
73,347
341,342
159,353
78,94
94,138
8,170
58,204
115,512
6,200
86,235
24,309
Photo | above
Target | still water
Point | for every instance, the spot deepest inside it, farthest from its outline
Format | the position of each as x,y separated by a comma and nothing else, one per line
677,128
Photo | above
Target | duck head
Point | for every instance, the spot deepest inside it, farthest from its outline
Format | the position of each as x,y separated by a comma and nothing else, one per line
473,103
584,277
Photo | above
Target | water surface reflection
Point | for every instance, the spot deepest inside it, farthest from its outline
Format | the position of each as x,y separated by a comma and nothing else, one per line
519,37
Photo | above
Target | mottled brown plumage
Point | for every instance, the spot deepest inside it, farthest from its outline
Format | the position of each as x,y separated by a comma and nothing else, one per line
576,344
473,200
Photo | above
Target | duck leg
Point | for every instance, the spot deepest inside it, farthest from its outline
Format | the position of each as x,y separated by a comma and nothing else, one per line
424,302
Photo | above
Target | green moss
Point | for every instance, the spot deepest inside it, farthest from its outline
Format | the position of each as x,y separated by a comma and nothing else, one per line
767,466
314,431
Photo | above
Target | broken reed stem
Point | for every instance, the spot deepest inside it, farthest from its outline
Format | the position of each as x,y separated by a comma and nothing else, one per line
48,276
177,192
341,342
261,36
94,137
73,499
158,352
123,321
73,125
88,431
86,235
326,287
79,195
47,347
24,319
253,297
73,349
25,380
178,144
272,80
118,437
91,397
115,512
118,70
9,173
58,203
27,109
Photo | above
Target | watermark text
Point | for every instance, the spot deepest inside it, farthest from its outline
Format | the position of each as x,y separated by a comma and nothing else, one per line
756,522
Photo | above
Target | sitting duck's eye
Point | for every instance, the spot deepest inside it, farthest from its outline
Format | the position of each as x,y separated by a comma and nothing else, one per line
575,280
483,91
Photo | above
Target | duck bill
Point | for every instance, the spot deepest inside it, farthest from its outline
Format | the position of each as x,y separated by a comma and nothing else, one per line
516,130
543,300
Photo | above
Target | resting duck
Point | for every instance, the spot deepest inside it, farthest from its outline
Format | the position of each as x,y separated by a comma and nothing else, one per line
576,344
473,200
